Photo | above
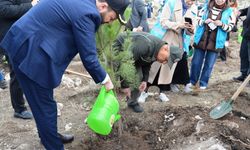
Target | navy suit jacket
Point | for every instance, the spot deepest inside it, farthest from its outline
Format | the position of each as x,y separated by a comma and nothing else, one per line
44,41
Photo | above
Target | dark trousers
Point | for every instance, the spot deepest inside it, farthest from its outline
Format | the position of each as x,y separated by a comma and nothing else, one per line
16,93
181,74
42,104
135,93
223,53
162,87
245,57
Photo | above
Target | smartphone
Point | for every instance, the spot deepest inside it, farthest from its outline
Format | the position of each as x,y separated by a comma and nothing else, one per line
189,20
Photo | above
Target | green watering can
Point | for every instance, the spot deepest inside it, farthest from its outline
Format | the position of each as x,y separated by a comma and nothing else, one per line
104,113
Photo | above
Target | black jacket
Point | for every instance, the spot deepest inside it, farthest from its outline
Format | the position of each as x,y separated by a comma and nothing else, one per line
11,11
246,22
144,47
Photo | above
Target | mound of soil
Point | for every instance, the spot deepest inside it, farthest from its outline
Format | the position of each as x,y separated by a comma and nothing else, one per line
173,128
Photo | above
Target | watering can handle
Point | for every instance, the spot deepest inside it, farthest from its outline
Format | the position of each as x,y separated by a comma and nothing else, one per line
104,91
236,94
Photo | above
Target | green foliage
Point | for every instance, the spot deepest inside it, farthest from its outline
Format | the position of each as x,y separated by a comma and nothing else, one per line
127,68
116,62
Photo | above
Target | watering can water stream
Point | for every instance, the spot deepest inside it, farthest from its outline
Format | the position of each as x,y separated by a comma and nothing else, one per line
104,112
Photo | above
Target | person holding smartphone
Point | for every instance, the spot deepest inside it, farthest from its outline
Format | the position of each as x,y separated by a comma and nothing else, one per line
215,20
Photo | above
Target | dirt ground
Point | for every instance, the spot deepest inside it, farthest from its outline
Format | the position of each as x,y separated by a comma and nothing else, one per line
183,123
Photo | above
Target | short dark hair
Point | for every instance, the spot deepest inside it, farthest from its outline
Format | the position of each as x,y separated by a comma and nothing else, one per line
102,0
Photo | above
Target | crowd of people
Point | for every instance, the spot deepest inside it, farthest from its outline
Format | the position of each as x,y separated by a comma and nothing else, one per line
31,39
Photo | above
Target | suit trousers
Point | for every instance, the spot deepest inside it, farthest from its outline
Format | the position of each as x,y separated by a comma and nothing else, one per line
41,102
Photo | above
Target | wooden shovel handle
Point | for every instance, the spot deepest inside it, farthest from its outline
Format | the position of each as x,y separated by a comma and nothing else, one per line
236,94
77,73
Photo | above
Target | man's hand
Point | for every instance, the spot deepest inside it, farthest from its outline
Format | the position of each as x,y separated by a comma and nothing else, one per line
143,86
138,29
34,2
181,26
109,85
208,21
189,27
126,91
218,23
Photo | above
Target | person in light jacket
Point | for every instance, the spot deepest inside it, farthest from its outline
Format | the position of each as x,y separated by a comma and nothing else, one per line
216,19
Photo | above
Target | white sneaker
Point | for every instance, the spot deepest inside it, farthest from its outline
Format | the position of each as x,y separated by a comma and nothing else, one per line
163,97
174,88
203,87
188,88
142,97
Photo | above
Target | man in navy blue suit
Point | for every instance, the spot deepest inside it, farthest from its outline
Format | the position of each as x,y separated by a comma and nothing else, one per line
41,44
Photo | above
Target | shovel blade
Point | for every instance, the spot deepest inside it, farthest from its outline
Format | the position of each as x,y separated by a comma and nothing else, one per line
221,110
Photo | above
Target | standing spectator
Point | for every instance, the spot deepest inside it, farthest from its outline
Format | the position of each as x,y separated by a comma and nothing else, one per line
225,51
138,19
245,46
10,11
40,46
215,20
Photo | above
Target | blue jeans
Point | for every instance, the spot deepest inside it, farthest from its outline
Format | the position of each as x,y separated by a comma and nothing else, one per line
1,76
204,60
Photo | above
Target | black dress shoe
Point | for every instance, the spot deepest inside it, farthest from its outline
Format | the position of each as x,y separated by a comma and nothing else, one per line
66,138
136,108
239,78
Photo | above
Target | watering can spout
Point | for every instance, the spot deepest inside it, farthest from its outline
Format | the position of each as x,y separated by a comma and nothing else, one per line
118,117
104,112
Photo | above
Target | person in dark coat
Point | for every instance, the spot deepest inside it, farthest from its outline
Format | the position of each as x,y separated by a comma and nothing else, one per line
245,46
42,43
146,49
138,18
11,11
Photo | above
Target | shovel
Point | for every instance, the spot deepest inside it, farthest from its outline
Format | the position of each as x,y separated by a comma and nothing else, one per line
226,106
